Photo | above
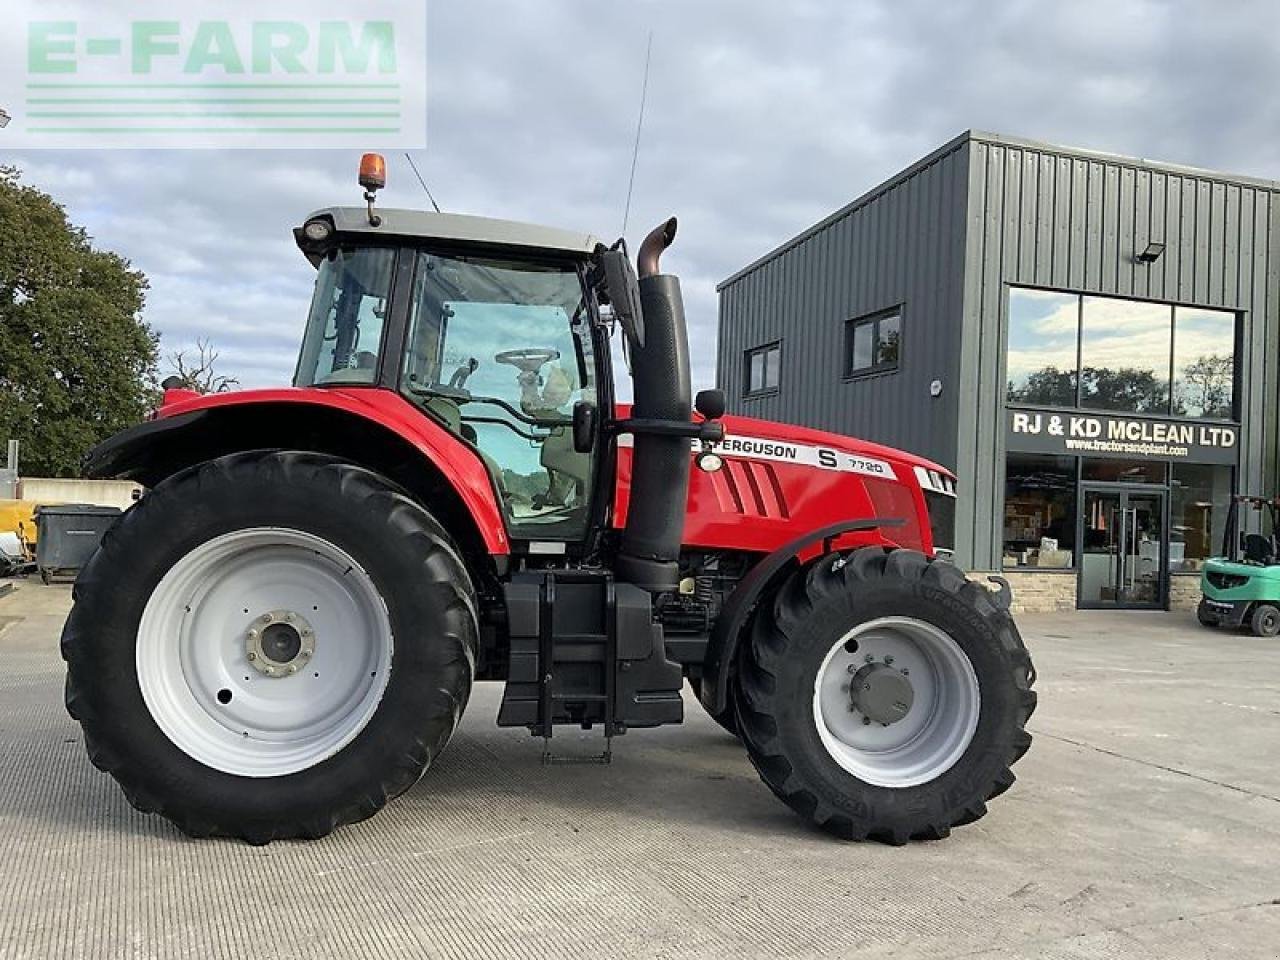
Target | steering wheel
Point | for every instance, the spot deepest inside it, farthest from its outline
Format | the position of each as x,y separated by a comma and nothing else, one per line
528,361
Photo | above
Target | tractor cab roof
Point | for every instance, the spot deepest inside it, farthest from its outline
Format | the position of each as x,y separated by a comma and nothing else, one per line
417,225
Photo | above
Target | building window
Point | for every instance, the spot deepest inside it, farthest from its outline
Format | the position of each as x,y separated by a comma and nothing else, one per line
1044,332
1125,355
763,365
1122,356
1039,512
1204,363
1200,496
873,344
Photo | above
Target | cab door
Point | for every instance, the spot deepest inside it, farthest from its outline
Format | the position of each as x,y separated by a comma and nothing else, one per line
499,352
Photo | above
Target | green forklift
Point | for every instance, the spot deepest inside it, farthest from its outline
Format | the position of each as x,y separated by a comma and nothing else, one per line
1242,587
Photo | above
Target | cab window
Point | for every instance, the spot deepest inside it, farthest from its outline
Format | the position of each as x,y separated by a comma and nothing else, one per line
348,312
499,353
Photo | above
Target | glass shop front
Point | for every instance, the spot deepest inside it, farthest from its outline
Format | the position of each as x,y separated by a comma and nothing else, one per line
1122,439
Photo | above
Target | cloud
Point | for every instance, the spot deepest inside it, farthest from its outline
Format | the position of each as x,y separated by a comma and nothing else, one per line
761,119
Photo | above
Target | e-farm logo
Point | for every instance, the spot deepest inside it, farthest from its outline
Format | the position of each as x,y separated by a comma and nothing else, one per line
312,74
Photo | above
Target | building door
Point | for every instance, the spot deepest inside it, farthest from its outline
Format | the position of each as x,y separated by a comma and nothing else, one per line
1125,550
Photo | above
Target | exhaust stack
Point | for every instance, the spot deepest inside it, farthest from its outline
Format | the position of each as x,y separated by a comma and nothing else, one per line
660,465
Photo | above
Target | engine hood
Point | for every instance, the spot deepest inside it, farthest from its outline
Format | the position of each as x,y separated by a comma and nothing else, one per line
741,429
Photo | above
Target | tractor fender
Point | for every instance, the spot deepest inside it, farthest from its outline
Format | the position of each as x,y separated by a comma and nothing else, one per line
383,433
759,582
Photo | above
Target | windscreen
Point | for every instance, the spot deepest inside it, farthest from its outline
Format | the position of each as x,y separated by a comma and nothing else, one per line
348,313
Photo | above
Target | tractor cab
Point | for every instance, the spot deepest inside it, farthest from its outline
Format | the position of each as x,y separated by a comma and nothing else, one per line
1242,587
499,332
499,351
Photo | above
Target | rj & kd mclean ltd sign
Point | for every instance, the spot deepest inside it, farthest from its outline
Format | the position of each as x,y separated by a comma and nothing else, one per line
1126,437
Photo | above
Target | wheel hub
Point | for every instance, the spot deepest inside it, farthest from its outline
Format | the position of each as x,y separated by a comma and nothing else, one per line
896,701
279,643
881,693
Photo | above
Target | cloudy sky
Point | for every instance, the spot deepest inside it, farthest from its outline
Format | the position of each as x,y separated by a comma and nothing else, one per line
762,118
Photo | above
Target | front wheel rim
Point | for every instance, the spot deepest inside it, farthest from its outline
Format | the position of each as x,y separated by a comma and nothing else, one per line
264,652
936,728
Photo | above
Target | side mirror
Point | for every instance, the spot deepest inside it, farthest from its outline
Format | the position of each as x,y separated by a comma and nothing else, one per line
710,403
585,426
623,292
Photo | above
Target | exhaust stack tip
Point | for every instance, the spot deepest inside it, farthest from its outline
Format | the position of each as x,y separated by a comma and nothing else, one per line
658,240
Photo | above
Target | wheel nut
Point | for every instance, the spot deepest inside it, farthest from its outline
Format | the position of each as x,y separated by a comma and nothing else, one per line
266,618
869,659
271,671
306,633
251,655
289,617
293,668
888,659
853,668
306,653
906,672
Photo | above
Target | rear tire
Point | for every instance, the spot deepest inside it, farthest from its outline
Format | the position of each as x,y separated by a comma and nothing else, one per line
352,575
949,741
1265,621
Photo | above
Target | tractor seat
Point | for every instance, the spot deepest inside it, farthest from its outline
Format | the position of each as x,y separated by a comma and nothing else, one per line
447,410
1259,549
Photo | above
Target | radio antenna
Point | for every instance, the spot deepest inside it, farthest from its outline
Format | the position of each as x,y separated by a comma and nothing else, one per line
635,150
423,182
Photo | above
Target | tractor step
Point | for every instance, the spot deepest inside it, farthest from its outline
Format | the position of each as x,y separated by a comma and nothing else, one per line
551,759
585,650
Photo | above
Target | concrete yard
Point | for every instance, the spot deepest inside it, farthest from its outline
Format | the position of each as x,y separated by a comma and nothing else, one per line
1145,823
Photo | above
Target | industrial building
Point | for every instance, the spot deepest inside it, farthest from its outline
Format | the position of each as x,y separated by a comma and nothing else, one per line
1091,342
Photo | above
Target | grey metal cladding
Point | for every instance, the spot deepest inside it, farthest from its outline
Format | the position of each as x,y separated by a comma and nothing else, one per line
899,245
1046,216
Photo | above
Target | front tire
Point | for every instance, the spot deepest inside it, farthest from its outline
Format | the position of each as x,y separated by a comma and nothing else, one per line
1265,621
1206,618
270,645
885,696
726,719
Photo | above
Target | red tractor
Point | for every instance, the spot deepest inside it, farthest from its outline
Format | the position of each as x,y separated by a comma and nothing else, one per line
283,633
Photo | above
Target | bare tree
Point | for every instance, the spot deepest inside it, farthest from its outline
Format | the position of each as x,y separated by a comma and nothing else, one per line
1205,387
197,373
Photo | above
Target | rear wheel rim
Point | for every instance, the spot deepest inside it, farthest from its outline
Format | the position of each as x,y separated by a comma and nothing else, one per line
936,729
216,620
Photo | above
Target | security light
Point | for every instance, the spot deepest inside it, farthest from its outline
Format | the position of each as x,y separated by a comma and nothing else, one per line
1155,249
4,119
